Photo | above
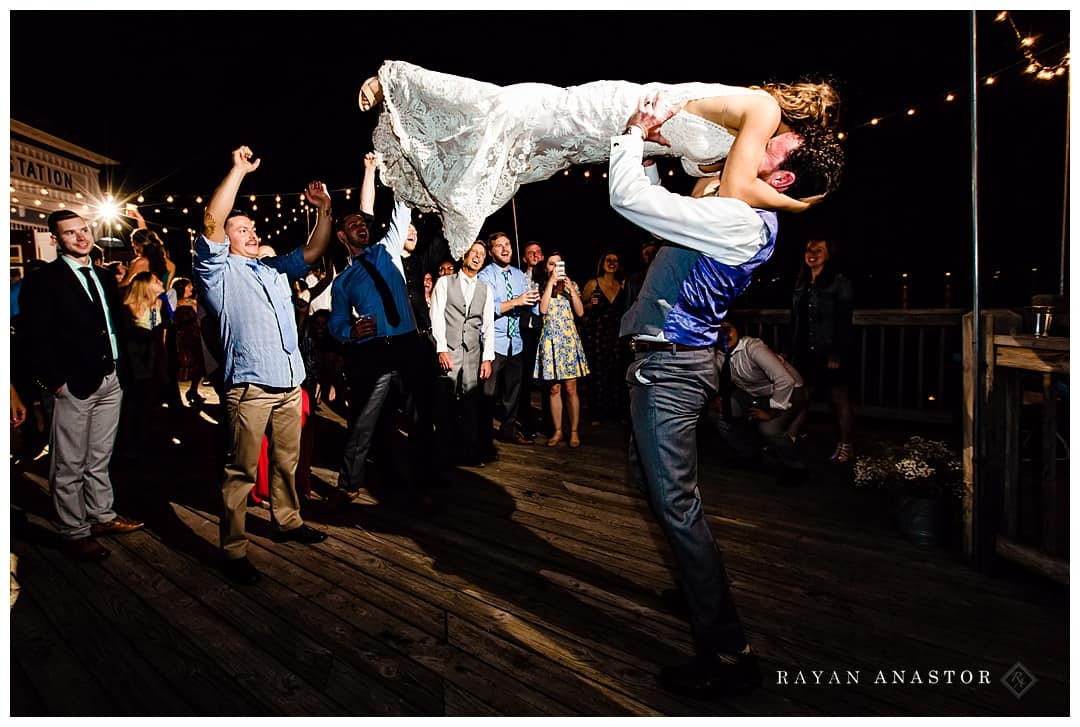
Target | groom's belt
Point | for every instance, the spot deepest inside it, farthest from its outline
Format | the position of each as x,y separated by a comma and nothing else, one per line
640,346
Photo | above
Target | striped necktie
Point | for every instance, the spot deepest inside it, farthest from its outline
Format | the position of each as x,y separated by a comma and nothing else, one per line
511,322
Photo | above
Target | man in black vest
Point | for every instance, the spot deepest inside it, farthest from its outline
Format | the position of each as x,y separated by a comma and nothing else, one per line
74,325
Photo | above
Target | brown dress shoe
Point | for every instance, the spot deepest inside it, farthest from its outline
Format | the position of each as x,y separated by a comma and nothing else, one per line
84,550
117,526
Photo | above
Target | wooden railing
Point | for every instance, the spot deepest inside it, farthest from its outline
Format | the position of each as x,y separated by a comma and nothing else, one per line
909,361
1021,516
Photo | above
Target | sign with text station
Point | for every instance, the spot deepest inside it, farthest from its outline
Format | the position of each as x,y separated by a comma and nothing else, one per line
40,168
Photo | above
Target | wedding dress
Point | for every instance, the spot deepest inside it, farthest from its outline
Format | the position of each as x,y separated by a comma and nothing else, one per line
463,147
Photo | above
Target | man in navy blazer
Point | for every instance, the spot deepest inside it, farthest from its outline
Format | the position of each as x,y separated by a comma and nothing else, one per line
74,324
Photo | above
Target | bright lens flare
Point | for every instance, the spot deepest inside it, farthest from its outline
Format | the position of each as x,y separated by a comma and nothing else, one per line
109,211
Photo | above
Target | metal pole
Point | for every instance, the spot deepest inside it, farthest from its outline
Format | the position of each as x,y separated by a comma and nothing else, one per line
1065,194
977,445
517,237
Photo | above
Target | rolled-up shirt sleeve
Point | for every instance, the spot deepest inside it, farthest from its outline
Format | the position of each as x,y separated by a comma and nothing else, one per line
782,381
438,313
724,228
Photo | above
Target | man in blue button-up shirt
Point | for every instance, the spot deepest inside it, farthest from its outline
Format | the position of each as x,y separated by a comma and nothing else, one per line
514,298
371,314
252,301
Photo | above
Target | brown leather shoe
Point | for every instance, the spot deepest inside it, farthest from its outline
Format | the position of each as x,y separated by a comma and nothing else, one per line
519,438
117,526
84,550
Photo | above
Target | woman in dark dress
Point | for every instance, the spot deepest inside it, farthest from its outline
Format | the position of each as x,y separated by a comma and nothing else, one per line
821,326
190,365
604,298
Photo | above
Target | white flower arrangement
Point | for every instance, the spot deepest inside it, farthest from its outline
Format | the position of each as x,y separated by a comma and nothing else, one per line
920,466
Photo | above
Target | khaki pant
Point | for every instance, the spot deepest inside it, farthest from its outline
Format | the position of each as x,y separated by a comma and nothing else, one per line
254,411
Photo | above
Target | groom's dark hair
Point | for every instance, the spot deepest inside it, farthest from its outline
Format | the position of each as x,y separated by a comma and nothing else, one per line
816,163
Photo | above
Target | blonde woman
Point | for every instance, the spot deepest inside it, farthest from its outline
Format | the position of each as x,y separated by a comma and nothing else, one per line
560,358
432,148
144,346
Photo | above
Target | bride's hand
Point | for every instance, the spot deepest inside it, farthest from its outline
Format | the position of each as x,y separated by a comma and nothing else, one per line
811,201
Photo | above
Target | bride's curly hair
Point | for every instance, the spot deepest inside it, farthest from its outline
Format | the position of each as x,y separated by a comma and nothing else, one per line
806,103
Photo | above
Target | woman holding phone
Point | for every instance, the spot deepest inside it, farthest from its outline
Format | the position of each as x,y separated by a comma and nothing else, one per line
560,358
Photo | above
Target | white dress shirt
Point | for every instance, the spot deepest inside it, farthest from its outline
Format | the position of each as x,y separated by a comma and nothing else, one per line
759,372
438,314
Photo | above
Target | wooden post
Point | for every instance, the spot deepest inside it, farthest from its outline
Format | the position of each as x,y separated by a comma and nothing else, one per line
1049,467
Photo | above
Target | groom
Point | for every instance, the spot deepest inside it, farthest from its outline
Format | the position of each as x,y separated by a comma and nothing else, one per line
717,243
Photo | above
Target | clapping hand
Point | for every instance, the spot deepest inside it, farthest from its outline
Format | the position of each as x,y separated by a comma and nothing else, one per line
241,159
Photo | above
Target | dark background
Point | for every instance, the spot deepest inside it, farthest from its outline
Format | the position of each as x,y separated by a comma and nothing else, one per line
170,94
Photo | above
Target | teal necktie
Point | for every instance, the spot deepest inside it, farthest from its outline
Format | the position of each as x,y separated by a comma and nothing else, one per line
512,322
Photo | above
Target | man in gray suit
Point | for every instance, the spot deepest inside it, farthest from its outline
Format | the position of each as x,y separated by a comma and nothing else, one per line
463,325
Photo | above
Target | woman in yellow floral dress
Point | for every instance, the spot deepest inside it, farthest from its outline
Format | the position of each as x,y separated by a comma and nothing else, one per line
560,358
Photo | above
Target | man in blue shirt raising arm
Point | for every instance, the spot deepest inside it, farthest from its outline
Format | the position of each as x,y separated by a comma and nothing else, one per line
252,301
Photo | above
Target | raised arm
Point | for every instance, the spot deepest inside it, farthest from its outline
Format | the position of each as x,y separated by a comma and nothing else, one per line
759,121
225,195
319,240
367,185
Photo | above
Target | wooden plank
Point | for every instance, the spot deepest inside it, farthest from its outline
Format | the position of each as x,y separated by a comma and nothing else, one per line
1031,360
507,695
196,678
1029,557
566,686
24,699
1039,343
460,703
392,685
176,588
50,665
1049,489
769,607
339,687
132,683
1006,433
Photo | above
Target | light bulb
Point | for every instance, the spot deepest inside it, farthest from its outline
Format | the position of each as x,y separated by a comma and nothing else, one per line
169,199
874,122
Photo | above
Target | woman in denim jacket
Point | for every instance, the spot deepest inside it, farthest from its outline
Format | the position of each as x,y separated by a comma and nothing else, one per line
821,333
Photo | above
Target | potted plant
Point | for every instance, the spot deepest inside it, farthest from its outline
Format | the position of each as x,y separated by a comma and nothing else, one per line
926,478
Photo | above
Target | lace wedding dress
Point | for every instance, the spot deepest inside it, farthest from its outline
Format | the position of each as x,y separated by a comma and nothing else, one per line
463,147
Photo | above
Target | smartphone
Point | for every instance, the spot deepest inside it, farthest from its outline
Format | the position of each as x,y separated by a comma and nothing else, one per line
560,269
130,210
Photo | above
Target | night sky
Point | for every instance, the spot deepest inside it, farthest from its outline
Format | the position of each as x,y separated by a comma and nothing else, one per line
170,94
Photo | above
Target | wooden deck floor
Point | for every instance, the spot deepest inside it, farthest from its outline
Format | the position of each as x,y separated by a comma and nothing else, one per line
533,592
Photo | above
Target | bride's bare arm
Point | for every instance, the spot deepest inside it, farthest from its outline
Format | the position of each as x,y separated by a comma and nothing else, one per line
759,121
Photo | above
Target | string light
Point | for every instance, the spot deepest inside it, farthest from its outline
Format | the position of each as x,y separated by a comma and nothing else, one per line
185,210
78,195
990,80
911,112
45,191
198,200
950,97
140,198
1026,43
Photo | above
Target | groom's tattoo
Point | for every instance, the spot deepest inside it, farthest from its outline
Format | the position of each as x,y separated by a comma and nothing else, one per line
209,223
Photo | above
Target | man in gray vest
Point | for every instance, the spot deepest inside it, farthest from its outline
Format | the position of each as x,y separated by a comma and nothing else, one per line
463,325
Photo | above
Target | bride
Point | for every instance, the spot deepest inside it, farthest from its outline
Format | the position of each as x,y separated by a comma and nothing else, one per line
463,147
